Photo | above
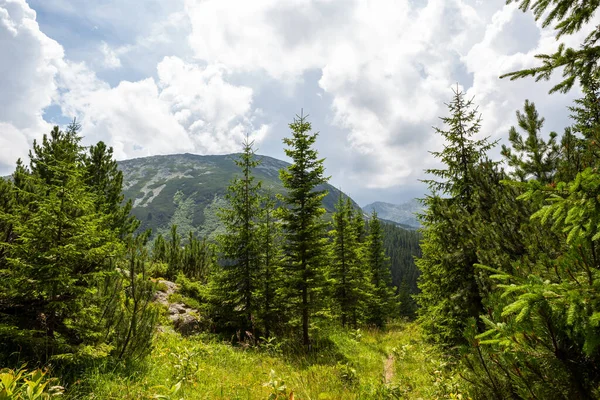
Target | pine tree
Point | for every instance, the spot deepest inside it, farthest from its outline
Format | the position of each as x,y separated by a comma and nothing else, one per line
106,181
60,246
270,279
240,245
568,17
159,249
197,258
532,158
350,285
450,293
138,315
383,303
174,254
304,231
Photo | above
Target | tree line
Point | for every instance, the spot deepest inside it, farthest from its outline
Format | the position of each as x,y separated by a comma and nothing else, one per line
77,279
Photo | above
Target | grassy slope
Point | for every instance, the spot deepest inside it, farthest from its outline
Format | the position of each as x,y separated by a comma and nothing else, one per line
211,369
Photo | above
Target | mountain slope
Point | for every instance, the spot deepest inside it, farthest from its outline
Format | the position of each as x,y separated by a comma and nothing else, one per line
187,189
403,214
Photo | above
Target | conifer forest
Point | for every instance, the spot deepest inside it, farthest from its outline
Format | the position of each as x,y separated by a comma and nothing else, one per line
287,289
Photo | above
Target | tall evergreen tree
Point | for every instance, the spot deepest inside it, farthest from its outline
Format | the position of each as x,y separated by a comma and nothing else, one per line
450,293
304,231
383,303
350,286
270,274
240,245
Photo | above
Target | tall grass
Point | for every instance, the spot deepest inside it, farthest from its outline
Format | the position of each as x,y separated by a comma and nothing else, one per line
344,364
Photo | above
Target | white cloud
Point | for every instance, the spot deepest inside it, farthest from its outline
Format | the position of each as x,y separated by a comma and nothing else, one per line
388,66
28,68
111,59
189,109
195,69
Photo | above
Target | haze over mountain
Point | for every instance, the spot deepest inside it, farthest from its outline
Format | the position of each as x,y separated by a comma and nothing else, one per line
404,214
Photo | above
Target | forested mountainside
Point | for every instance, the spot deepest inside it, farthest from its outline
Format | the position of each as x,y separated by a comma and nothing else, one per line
404,214
187,189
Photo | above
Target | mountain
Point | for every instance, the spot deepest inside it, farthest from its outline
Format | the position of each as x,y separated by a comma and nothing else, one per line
188,189
402,214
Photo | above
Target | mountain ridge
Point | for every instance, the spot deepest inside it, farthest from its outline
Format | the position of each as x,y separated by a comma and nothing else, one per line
403,214
188,189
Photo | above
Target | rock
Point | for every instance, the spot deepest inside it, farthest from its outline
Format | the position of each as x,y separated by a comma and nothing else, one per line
185,319
178,308
167,288
187,324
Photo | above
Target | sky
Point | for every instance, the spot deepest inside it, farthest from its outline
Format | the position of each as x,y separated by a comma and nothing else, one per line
195,76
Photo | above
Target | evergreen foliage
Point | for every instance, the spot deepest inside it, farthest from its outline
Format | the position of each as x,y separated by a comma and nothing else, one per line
304,232
105,179
533,157
271,308
58,246
568,17
383,303
194,258
350,283
450,292
60,292
240,246
402,247
137,315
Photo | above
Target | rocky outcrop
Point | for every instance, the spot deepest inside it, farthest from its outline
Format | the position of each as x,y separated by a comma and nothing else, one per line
185,319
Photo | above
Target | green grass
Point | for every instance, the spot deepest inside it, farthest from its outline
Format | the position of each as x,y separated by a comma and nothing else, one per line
348,365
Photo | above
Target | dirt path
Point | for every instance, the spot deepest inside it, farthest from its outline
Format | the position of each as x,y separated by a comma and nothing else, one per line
388,369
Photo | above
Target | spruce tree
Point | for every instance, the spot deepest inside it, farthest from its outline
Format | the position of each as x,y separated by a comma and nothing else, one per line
106,181
60,246
383,303
270,274
304,231
350,284
239,247
532,157
450,293
540,243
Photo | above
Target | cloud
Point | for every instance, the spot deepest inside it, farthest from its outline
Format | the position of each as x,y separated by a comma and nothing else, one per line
195,75
111,59
188,109
388,67
28,71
